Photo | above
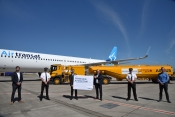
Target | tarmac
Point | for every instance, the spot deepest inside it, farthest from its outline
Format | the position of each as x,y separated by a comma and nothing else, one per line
114,102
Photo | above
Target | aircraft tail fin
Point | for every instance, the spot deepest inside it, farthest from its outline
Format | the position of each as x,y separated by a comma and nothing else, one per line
113,54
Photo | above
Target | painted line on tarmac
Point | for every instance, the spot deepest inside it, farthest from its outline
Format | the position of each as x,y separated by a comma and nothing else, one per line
11,93
44,107
138,107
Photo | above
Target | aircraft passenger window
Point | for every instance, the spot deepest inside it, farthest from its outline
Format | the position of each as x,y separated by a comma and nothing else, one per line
46,59
12,56
5,56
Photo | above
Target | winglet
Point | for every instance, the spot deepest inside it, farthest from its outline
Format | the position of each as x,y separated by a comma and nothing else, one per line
148,50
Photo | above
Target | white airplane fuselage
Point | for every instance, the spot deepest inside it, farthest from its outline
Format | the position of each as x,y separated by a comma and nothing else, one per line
35,62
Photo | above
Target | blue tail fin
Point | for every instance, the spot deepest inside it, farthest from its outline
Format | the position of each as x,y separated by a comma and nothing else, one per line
113,54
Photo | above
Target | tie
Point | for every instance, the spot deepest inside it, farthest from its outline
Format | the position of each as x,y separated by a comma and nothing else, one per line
131,77
46,77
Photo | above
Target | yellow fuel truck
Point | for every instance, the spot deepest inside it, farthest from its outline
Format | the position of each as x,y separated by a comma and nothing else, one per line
60,74
120,71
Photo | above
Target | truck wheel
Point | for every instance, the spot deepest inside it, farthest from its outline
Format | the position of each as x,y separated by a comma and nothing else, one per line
169,81
105,81
154,80
119,79
57,81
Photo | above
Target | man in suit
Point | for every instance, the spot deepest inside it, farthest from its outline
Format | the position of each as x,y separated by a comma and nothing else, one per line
45,77
98,84
71,77
163,79
131,78
17,78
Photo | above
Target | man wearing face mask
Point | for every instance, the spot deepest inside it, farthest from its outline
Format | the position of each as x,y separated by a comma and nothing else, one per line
131,78
71,77
98,84
17,78
45,78
163,79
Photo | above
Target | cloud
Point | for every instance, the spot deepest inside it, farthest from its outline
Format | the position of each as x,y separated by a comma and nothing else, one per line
171,45
144,16
114,18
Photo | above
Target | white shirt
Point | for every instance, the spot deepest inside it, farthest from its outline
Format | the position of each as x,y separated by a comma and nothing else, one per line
96,79
43,76
129,76
18,74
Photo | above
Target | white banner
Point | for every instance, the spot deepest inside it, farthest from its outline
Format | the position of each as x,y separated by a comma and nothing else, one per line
83,82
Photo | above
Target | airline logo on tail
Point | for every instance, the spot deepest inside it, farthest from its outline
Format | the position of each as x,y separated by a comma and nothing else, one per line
113,54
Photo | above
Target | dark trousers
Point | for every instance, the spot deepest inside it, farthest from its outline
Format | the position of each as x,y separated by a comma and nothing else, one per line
165,87
72,90
42,89
133,86
14,87
98,88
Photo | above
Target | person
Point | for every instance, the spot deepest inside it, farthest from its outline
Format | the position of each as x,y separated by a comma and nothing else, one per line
45,77
98,84
71,77
163,79
17,78
131,78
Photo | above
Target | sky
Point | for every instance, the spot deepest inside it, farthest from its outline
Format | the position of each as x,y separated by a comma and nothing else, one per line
91,28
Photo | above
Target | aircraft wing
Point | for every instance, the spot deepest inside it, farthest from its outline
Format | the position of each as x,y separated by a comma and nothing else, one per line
117,61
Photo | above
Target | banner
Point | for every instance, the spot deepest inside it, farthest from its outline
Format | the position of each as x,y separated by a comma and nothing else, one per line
83,82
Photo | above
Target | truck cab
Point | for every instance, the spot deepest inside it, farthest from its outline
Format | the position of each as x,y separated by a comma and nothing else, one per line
60,74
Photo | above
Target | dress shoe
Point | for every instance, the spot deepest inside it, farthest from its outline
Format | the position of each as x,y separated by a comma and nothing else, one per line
96,98
40,99
101,99
21,101
70,98
11,103
136,99
159,100
127,99
47,98
76,98
169,101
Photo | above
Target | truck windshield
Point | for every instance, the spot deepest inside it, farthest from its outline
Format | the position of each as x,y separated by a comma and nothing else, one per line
53,68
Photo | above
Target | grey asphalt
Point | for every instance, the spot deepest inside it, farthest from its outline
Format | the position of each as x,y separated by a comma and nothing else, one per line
114,102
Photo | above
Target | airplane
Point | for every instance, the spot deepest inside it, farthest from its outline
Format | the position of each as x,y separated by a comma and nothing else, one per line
35,62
